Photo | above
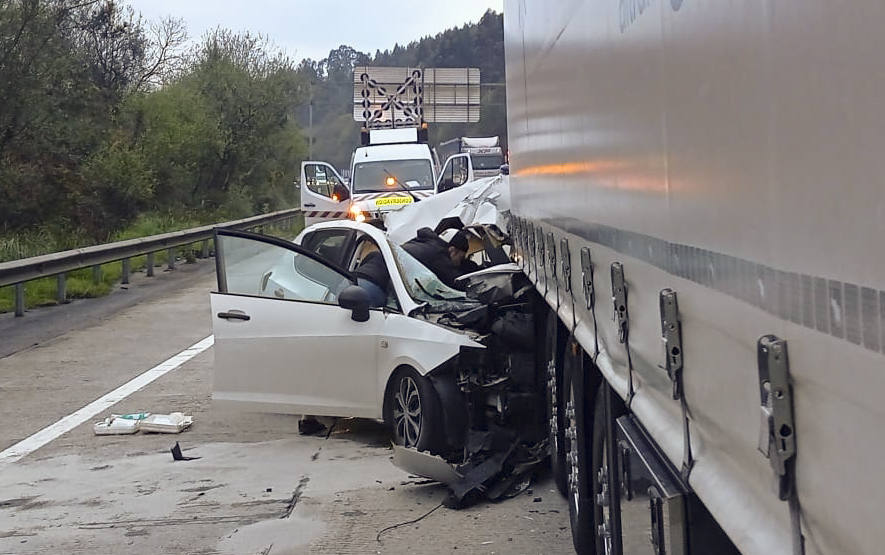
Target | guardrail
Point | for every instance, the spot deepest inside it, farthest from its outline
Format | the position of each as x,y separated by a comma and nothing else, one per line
18,272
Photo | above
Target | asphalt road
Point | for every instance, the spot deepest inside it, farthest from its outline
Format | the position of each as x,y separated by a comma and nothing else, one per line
257,486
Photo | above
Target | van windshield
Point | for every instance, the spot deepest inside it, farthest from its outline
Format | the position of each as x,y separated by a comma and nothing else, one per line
487,161
373,177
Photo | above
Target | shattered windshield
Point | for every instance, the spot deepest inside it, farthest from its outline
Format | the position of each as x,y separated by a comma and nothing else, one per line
421,283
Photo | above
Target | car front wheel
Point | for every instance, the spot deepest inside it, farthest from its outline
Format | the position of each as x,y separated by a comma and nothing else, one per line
412,410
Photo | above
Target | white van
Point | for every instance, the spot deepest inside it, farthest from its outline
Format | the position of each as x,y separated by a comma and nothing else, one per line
392,170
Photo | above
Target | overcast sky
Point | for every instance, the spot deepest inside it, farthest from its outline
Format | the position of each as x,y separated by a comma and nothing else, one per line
310,28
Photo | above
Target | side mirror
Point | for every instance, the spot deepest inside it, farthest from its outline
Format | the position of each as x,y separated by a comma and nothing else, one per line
356,299
505,169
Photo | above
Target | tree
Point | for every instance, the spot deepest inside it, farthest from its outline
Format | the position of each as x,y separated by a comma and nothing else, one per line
478,44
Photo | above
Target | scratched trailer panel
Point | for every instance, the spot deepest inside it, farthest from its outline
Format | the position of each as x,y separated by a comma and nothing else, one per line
731,151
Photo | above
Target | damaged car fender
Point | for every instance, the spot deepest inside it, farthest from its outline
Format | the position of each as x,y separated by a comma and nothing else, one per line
418,344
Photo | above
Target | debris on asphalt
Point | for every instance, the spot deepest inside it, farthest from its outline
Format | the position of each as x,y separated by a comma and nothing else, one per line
394,526
308,425
119,424
424,464
128,424
172,423
177,456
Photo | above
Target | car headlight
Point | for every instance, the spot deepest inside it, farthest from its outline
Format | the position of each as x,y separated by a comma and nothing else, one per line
356,214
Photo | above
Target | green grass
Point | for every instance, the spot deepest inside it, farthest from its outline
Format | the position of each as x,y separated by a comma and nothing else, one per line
80,283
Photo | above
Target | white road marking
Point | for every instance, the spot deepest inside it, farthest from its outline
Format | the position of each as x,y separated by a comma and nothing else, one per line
71,421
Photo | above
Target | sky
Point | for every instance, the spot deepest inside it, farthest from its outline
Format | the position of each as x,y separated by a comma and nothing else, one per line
311,28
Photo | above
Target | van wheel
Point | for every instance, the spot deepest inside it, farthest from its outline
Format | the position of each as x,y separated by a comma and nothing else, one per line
555,405
578,434
412,410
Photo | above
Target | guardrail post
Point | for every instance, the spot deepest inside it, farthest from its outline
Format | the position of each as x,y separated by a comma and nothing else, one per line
170,258
19,299
204,251
96,273
149,264
61,288
124,278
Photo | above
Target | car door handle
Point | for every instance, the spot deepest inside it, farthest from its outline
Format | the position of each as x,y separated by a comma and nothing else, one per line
234,315
309,205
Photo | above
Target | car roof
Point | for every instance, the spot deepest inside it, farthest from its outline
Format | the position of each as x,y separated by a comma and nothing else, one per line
392,152
368,229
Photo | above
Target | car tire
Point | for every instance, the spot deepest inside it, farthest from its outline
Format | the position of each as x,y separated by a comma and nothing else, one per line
555,407
578,421
412,410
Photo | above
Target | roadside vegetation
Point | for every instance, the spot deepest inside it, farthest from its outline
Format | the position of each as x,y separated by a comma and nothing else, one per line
479,44
114,127
82,284
105,118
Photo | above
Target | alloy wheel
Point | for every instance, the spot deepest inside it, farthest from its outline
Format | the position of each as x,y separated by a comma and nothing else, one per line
407,412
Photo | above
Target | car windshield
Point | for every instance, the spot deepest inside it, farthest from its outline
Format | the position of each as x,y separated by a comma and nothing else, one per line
421,283
487,161
373,177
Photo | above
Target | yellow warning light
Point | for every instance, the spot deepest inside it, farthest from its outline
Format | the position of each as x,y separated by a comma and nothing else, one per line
391,181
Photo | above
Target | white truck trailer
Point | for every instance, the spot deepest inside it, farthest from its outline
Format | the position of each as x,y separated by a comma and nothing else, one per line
697,190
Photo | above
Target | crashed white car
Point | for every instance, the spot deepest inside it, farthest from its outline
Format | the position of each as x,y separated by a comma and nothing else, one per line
291,337
453,373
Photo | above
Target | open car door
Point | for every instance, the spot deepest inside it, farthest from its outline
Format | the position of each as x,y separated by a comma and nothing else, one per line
324,194
282,343
457,171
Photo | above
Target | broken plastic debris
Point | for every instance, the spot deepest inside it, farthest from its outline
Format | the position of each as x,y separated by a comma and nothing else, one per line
177,456
172,423
119,424
424,464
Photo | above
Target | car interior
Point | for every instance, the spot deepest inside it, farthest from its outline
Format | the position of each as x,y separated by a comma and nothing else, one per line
364,246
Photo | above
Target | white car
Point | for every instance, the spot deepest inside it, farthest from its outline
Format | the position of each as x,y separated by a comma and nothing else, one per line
294,334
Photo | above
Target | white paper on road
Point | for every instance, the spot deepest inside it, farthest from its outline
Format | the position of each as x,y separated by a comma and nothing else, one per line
71,421
166,423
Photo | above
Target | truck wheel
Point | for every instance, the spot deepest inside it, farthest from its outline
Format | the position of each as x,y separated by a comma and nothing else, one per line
411,409
555,408
601,479
578,434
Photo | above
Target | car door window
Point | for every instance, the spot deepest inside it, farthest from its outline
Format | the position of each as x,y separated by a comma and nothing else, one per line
266,267
364,246
329,244
454,174
322,180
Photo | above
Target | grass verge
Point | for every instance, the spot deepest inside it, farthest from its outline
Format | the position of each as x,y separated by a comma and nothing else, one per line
82,284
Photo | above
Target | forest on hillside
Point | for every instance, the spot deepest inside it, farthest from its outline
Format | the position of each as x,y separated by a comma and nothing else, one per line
113,126
479,44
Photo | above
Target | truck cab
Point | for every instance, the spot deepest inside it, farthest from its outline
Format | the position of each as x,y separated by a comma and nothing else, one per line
486,154
393,168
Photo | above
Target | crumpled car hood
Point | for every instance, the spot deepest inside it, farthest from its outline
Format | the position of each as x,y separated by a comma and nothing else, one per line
484,201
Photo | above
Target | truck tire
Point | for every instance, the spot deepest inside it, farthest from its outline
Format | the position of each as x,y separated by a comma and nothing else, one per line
412,410
555,407
579,419
600,468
